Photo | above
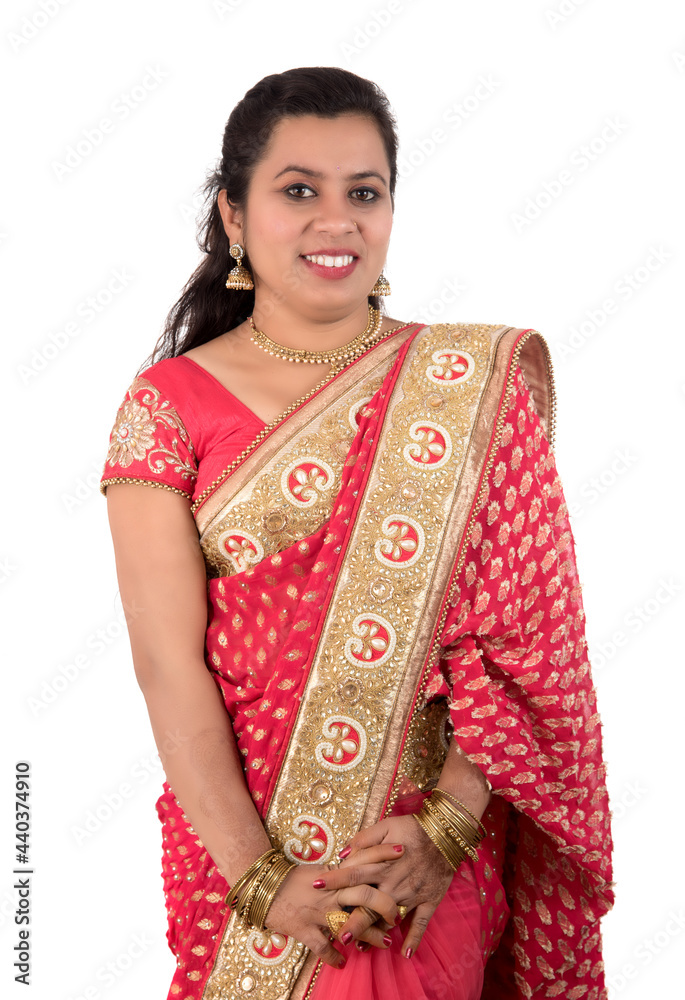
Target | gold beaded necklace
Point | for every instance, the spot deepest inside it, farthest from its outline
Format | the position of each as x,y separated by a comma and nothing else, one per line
338,356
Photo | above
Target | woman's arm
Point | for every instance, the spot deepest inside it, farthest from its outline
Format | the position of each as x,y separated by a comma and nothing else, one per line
464,780
163,588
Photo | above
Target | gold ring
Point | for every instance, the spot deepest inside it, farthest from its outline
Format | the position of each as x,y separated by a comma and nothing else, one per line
332,865
335,920
402,910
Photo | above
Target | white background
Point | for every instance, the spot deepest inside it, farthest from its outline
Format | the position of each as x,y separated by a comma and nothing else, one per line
559,75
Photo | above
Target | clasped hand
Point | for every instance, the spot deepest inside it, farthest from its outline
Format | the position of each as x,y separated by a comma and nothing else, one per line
374,878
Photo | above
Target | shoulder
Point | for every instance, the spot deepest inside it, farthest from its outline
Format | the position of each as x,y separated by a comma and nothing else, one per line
172,376
487,339
505,356
500,335
179,383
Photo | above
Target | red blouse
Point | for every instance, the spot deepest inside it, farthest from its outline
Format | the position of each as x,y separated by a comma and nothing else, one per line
178,428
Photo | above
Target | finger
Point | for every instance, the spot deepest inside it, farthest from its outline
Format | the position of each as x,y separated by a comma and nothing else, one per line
420,918
365,838
370,897
365,925
373,855
375,935
343,878
321,946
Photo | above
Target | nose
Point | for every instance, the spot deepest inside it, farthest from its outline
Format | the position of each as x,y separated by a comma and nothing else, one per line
334,216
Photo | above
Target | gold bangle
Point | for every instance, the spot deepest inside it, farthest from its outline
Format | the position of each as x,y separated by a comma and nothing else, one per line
454,835
445,808
453,848
240,883
252,898
441,791
447,847
266,891
454,822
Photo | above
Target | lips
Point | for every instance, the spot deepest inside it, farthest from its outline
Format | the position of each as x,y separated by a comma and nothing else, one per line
337,258
333,267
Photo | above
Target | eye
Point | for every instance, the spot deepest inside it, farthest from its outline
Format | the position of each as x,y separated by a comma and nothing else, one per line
365,194
299,191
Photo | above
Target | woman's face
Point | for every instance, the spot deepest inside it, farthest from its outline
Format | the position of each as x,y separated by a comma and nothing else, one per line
317,221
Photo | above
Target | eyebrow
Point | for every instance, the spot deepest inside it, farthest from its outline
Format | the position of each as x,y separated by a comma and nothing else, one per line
360,176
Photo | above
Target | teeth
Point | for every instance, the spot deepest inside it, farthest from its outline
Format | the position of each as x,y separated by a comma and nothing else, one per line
330,261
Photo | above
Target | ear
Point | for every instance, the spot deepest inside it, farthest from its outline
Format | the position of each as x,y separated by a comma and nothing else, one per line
231,217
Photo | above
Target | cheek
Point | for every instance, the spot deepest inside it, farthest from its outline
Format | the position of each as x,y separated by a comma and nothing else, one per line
270,230
378,231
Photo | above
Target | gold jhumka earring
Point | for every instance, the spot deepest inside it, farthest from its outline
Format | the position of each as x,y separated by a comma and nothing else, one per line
239,279
382,286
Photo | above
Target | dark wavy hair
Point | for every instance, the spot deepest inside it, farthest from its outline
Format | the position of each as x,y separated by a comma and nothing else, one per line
205,308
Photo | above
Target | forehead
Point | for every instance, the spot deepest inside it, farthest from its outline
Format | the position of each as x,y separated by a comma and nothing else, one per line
348,141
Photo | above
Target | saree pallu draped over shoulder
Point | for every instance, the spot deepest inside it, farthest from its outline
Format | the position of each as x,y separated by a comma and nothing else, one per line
333,550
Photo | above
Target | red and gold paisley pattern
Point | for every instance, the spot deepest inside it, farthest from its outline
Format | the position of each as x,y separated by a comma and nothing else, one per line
372,642
433,445
309,840
451,367
268,948
307,481
402,543
241,549
343,745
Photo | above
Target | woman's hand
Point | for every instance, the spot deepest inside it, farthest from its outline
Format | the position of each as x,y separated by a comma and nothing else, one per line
418,878
299,907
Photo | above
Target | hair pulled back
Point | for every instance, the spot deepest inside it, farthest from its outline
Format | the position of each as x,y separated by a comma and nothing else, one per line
206,308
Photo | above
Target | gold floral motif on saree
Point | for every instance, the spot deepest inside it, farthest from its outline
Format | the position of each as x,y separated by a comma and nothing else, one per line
380,624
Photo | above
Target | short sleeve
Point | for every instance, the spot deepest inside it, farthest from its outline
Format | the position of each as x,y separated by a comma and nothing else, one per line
149,444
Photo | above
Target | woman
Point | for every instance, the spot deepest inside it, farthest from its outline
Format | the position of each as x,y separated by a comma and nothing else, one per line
356,583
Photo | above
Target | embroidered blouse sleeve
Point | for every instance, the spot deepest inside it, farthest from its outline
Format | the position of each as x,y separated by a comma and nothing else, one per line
149,444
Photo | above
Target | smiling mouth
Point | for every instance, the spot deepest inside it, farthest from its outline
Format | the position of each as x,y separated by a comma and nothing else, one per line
341,261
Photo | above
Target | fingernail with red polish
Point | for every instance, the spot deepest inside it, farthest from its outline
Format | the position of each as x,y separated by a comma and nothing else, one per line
398,919
345,851
409,952
342,963
387,940
319,884
398,848
346,938
363,945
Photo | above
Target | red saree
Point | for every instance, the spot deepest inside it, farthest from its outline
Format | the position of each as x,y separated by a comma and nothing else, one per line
392,563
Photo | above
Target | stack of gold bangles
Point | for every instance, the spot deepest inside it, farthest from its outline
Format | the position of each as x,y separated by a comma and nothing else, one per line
255,890
444,819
